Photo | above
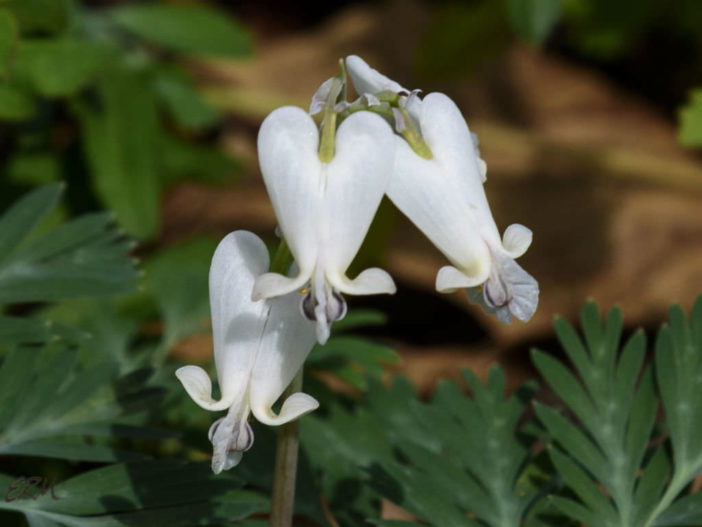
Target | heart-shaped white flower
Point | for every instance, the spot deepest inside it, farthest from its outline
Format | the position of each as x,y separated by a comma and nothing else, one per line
258,347
324,210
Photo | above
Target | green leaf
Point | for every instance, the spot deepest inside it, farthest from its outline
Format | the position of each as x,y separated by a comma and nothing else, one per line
190,29
533,20
24,215
456,453
185,160
685,511
566,386
690,121
41,16
60,67
352,359
15,104
48,406
84,257
651,484
9,34
183,102
584,487
121,142
34,169
185,310
143,494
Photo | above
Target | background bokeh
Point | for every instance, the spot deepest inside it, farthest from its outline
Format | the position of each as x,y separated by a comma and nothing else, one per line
584,109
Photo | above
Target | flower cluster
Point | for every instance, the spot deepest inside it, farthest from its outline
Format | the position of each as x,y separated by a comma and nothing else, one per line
326,172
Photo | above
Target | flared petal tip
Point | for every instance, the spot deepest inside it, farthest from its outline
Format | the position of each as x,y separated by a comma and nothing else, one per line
294,407
199,387
516,239
373,281
270,285
449,279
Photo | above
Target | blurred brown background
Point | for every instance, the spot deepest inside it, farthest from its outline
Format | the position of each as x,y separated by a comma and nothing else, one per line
586,156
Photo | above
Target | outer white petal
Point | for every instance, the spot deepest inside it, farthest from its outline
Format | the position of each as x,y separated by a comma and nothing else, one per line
287,152
516,239
237,321
448,279
430,194
199,387
369,282
445,131
286,342
368,80
356,180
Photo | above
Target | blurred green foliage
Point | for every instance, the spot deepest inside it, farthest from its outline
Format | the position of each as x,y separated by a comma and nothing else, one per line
102,96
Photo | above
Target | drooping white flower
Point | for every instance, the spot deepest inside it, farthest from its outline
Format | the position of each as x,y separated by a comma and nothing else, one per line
444,198
258,347
324,210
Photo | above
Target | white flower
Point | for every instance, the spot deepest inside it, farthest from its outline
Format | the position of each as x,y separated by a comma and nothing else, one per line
258,347
444,198
324,210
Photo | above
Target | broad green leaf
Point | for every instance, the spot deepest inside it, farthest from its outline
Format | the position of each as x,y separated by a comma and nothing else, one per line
533,20
60,67
34,169
9,34
185,310
185,160
84,257
41,16
15,104
183,102
121,142
191,29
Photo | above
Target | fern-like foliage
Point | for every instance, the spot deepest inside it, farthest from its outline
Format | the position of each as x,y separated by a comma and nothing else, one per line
608,461
459,460
85,257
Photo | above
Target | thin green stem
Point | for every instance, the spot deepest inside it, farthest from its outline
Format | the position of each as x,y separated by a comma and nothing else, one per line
283,500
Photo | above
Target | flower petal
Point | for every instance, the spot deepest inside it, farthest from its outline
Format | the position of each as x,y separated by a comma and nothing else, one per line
448,279
516,239
287,152
237,322
287,341
356,180
297,405
370,282
199,387
368,80
428,193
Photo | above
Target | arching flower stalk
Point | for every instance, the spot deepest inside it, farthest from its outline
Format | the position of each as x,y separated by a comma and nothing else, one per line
443,196
259,346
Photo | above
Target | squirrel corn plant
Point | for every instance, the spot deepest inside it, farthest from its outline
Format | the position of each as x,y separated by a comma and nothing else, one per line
619,476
